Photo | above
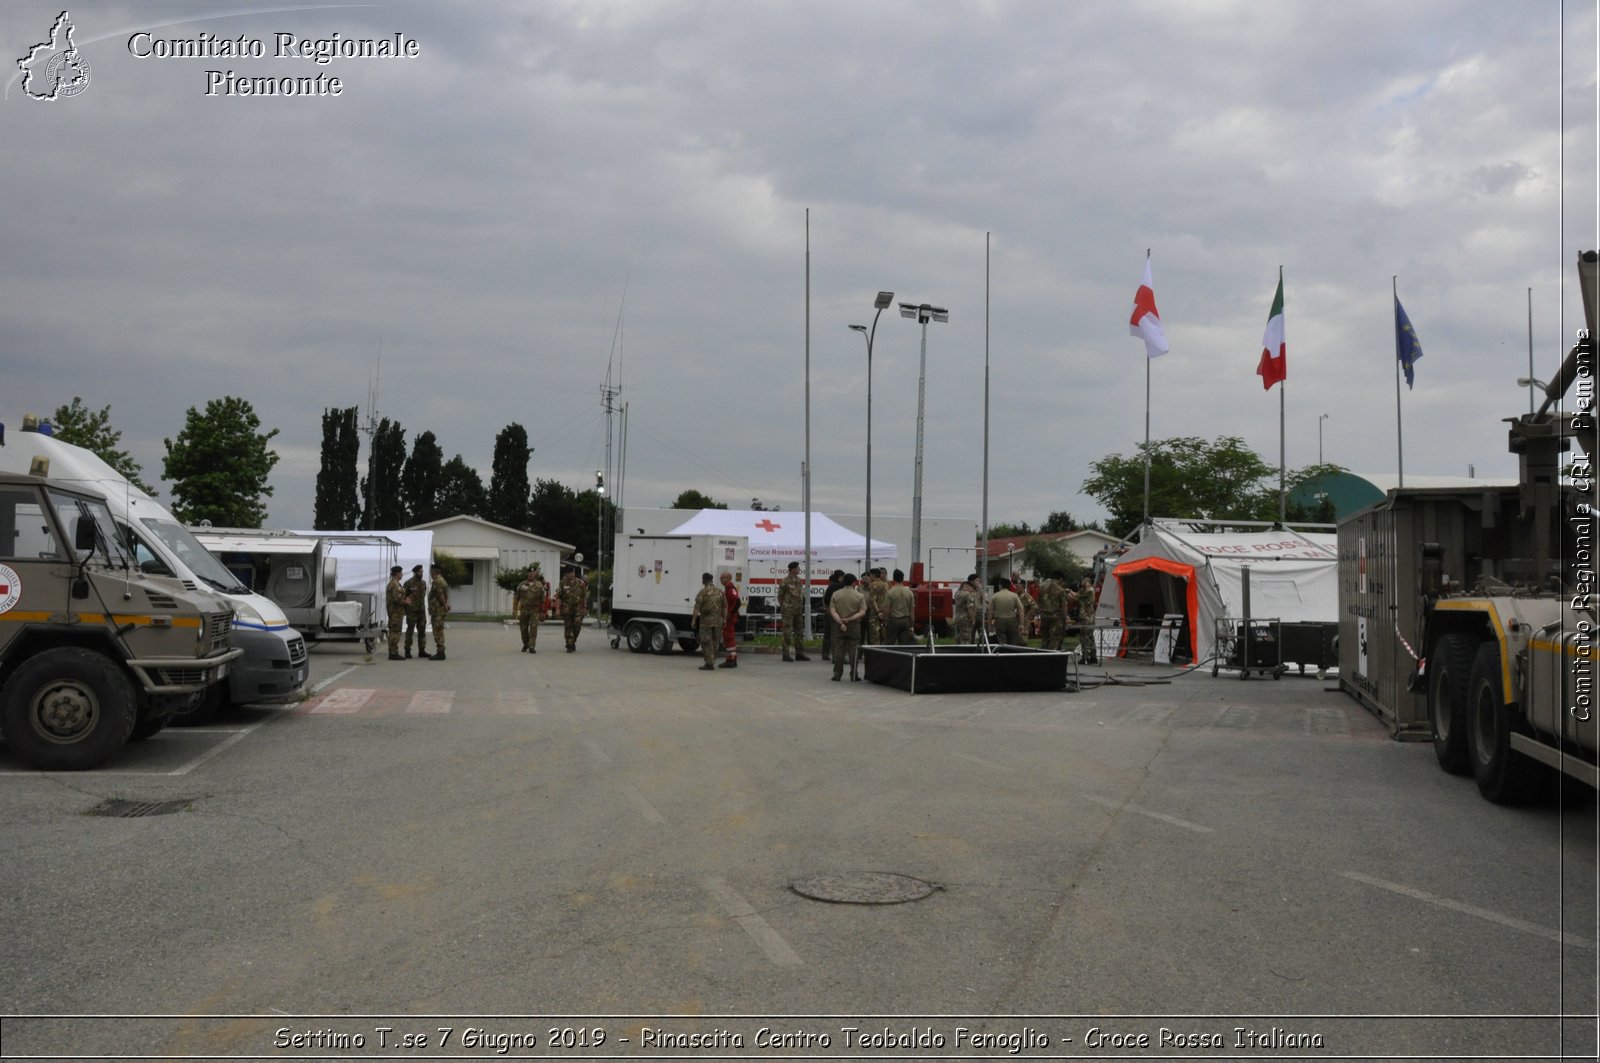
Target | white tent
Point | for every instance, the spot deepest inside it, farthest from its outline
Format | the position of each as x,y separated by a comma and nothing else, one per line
777,538
782,536
1293,577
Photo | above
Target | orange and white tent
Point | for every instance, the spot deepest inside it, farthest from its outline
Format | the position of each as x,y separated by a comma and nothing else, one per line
1200,575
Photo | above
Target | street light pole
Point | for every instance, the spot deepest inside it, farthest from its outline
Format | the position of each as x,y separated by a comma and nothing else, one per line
599,539
882,303
922,314
1324,417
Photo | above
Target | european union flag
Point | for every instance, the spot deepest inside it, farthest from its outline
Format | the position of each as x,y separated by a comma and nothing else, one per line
1406,346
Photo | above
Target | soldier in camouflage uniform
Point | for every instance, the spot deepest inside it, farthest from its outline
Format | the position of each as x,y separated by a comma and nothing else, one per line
1086,607
394,597
573,601
1030,609
967,605
527,606
416,589
791,602
439,608
706,619
876,622
1052,615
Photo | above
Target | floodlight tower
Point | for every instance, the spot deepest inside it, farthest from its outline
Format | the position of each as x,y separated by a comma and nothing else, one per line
922,313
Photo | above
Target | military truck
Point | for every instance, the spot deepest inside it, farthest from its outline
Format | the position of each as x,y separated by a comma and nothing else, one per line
1502,583
93,651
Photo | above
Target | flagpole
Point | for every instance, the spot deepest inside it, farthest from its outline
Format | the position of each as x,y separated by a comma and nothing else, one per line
1283,496
983,560
1399,436
805,478
1147,361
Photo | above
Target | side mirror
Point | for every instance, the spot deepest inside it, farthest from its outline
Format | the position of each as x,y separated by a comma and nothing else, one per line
85,536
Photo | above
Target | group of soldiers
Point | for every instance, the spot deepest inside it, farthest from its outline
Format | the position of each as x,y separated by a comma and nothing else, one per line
1011,614
410,604
528,607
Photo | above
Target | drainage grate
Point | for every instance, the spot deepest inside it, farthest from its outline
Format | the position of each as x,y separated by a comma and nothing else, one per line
863,887
120,808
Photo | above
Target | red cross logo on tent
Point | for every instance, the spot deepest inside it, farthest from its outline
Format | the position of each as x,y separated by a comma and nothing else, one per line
766,525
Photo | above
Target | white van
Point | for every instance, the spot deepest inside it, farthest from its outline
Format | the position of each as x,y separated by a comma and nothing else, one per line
273,666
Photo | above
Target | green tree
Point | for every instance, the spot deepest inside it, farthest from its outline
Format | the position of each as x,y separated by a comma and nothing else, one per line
1001,531
461,490
1189,477
1049,559
1059,521
554,513
338,504
381,486
692,499
91,430
219,465
421,480
508,479
452,568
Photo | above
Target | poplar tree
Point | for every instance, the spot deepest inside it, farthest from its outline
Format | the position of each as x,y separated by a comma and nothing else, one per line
338,502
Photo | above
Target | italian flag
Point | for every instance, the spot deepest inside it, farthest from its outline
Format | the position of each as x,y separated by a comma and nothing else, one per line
1274,365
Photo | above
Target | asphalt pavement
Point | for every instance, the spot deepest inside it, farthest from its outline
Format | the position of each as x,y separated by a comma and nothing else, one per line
597,851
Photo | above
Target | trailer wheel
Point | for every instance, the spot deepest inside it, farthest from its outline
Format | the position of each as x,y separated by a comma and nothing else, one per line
1451,663
660,642
688,644
67,709
635,634
1504,777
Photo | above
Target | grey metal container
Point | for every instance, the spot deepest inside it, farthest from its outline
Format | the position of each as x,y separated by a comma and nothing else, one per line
1479,532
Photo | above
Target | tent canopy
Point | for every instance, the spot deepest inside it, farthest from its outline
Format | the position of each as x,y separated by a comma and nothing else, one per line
1293,577
782,536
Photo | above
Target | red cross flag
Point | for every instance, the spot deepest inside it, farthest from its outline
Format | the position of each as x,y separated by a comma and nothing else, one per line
1146,321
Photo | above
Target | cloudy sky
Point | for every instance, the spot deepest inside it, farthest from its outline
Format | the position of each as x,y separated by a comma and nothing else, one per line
464,231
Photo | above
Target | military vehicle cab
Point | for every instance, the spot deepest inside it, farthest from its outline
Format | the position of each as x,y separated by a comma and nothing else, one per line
93,652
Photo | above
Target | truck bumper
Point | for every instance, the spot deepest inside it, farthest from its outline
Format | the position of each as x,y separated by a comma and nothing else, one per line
181,675
274,665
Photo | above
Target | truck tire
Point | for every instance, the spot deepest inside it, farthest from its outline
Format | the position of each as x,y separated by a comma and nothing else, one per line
67,709
206,708
151,720
1504,776
1450,664
635,634
660,641
688,643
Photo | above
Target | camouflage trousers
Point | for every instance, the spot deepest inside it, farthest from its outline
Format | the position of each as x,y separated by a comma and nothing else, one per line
794,629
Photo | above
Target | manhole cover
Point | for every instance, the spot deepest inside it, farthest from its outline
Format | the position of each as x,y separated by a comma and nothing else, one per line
863,887
120,808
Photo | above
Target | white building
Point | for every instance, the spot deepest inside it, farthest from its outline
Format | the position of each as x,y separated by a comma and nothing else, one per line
486,547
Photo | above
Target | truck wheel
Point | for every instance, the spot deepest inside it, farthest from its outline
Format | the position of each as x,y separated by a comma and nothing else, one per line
659,640
204,709
151,720
1504,777
67,709
1451,663
635,635
687,644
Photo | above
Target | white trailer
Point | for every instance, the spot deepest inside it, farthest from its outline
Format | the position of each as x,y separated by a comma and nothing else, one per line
654,583
302,575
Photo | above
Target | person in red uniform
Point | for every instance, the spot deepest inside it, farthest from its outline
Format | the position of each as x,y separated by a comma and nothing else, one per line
730,620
